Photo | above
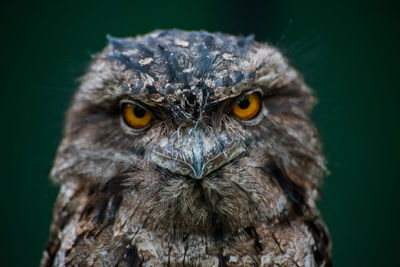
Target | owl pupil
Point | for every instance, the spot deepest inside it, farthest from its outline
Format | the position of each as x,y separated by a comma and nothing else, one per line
244,103
139,112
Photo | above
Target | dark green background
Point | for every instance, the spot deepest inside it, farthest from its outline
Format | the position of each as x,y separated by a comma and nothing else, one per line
347,51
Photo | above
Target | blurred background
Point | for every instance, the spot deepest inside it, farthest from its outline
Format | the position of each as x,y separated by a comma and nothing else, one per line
347,51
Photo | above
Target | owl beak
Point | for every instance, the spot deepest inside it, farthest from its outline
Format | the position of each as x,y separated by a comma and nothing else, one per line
197,162
204,164
196,156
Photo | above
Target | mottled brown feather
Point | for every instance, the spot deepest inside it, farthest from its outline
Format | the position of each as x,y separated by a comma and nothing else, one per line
148,198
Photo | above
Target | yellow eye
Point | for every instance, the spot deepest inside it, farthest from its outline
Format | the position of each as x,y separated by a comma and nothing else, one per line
247,107
136,116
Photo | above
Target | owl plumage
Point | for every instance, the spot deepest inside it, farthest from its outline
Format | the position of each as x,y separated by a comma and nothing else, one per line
197,186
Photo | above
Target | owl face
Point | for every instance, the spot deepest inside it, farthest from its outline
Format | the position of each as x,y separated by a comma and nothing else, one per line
208,132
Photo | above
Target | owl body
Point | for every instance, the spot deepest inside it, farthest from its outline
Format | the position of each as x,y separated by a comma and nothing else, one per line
184,179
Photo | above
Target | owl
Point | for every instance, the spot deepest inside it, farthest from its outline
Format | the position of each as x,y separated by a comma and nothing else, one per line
189,149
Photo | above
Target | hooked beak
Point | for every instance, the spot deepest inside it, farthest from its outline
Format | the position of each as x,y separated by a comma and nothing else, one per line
196,154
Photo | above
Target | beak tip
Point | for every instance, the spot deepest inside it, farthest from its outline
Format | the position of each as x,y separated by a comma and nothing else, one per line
198,173
198,176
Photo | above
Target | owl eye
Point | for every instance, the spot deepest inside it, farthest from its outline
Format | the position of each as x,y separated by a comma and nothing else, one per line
136,116
247,107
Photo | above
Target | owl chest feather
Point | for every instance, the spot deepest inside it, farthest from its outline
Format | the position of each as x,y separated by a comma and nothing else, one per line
96,233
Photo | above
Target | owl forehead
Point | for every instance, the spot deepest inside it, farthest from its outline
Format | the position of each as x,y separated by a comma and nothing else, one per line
175,64
172,66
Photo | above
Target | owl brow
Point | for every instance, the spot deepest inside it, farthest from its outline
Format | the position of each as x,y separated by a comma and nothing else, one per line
146,97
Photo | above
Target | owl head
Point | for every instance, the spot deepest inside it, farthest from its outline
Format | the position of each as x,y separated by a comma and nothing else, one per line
196,132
